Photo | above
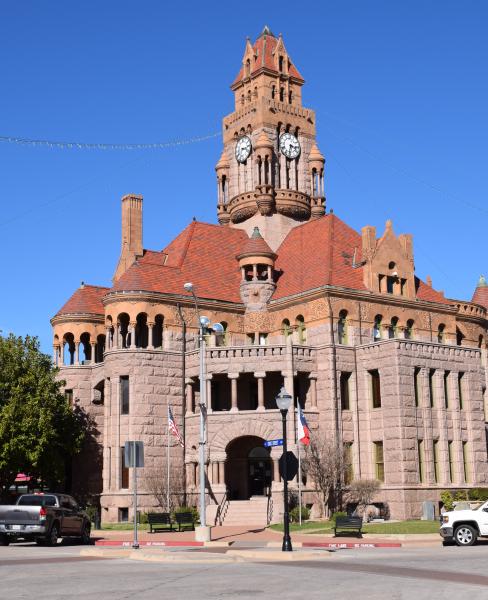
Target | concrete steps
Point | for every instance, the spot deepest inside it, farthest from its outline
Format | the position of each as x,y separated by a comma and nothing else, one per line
252,512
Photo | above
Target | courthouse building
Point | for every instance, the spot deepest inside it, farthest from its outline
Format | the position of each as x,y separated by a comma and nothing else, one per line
378,359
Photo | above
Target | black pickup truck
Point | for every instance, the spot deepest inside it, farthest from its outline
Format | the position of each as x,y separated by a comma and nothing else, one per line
43,517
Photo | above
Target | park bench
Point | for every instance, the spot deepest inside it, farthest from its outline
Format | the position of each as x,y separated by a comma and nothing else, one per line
185,520
159,521
347,524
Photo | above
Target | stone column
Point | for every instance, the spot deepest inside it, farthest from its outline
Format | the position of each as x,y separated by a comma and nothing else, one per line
55,355
189,397
209,393
77,353
233,390
150,345
107,339
260,377
270,275
313,392
132,330
221,472
276,470
215,473
117,336
93,346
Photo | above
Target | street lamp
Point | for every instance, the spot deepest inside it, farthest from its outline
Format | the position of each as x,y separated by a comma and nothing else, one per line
283,401
202,533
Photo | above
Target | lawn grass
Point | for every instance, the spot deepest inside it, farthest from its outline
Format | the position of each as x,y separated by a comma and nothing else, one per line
124,526
399,527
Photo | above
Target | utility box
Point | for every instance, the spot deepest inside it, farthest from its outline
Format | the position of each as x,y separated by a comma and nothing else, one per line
428,511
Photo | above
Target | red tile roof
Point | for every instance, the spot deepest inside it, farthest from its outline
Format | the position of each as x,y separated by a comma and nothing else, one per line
87,299
256,246
203,254
317,253
264,48
480,295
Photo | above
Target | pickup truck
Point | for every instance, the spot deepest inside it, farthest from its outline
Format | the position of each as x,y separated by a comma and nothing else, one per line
43,517
465,526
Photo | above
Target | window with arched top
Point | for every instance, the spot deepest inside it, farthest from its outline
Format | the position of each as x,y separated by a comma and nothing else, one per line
342,327
377,328
285,329
282,94
480,341
142,331
459,337
223,340
248,67
409,329
301,329
280,64
393,328
290,97
273,92
441,333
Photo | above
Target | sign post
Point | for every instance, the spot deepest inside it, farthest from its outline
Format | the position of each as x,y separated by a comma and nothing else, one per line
134,458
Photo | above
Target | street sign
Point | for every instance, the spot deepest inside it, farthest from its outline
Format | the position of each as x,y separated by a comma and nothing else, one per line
271,443
134,454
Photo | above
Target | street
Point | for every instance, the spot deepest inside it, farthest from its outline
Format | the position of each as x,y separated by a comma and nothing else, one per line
421,573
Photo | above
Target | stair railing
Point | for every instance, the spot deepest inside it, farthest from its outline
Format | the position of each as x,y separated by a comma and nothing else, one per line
222,508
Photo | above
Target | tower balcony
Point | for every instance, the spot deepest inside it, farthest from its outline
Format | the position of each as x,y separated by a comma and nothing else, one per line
293,203
242,207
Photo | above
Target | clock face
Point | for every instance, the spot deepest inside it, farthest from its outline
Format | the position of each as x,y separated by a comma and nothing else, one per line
289,145
243,149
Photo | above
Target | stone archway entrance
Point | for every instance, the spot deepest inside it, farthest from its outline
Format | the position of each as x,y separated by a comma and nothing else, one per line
248,470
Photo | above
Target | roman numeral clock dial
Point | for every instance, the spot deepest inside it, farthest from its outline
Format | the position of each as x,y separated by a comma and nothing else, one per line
243,148
289,146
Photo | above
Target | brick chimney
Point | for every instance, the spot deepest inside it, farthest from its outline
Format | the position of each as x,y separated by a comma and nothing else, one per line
131,233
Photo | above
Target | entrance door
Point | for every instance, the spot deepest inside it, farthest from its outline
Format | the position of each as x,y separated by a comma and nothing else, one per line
259,472
247,468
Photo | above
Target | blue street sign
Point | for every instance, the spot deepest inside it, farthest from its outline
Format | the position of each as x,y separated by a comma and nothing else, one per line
271,443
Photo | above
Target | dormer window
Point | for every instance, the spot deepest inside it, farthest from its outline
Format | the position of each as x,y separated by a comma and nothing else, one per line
248,68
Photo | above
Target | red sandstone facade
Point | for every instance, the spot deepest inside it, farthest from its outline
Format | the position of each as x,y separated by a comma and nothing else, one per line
377,358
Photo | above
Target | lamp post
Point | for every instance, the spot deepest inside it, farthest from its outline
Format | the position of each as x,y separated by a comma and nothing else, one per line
283,401
202,533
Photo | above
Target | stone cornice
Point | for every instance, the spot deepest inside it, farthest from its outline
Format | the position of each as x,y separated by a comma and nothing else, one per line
172,299
77,318
361,295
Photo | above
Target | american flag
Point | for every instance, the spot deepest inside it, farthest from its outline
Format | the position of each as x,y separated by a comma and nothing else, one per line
173,428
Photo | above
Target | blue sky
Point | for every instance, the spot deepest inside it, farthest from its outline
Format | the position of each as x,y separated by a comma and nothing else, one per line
400,90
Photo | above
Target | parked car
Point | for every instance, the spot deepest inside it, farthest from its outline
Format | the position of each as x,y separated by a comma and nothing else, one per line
464,527
43,517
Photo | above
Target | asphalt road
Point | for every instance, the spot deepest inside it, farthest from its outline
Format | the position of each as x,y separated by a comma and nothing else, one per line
28,571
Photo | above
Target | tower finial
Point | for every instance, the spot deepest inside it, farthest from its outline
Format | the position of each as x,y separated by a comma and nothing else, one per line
482,281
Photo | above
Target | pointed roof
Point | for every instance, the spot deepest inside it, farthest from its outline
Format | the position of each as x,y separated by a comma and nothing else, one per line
315,154
263,141
256,246
264,48
223,161
87,299
480,295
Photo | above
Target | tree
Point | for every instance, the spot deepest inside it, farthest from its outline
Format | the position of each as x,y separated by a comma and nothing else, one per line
156,483
39,431
325,466
363,491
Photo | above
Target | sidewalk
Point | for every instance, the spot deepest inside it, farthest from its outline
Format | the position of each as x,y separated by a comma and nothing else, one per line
261,538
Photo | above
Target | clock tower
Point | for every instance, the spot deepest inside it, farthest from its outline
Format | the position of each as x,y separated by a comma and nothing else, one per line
270,174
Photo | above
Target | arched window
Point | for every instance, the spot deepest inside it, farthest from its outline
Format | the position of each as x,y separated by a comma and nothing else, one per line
223,340
342,327
282,94
480,341
441,333
301,329
100,348
249,95
290,97
248,67
285,329
280,64
85,349
124,335
158,331
409,329
393,328
68,349
141,331
459,337
377,328
273,92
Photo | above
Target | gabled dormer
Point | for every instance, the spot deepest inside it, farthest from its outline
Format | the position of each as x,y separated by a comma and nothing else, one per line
388,265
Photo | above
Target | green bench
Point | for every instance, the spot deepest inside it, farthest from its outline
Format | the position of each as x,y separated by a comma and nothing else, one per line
159,522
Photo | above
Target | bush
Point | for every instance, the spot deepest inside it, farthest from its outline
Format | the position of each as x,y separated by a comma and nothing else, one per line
143,519
337,514
295,514
447,500
92,512
192,509
478,494
460,495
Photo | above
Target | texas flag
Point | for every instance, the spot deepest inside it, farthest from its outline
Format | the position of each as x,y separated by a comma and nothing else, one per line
303,430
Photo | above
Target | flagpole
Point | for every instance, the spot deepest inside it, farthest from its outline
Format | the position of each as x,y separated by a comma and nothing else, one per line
167,469
299,472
